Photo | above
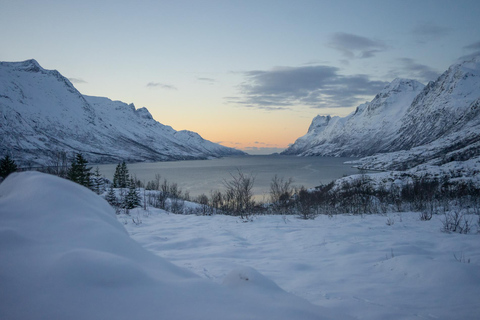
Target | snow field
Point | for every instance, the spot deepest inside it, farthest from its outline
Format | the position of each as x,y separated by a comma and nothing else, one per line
64,255
348,264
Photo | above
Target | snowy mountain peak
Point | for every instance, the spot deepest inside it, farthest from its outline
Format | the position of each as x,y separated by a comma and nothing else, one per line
28,65
441,107
469,64
402,83
144,113
319,122
396,92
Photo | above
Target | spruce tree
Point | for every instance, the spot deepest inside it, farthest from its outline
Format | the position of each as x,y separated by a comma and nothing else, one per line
121,176
79,172
111,197
116,176
98,185
132,199
7,166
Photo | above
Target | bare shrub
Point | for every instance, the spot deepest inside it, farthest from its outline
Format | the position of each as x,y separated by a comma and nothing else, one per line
204,205
456,221
305,204
239,195
390,221
426,215
280,192
461,258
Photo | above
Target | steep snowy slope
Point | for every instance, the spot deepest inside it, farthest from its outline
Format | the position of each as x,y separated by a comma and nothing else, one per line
41,111
366,131
442,125
445,106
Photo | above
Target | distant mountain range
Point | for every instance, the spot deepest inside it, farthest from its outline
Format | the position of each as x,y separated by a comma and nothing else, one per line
41,112
405,125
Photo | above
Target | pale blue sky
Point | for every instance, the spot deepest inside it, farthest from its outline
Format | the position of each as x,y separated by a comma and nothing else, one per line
248,74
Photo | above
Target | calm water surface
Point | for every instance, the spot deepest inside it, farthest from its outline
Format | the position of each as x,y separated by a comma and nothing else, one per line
202,176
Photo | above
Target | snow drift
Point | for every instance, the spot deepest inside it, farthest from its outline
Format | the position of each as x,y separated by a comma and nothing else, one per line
64,255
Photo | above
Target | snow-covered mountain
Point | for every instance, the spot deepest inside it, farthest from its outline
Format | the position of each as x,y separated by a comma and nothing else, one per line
368,130
435,124
445,106
41,111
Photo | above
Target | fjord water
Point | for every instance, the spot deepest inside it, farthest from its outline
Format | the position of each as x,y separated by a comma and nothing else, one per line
202,176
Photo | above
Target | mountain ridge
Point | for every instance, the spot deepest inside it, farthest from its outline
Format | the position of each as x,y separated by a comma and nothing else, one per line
43,112
438,124
351,136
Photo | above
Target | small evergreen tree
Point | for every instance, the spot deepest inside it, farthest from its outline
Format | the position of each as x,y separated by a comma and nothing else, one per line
111,197
121,176
98,185
79,172
132,199
7,166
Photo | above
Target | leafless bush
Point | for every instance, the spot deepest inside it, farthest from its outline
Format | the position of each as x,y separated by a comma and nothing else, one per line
305,204
461,258
177,206
137,221
239,195
280,192
58,164
456,221
390,221
426,215
204,209
216,200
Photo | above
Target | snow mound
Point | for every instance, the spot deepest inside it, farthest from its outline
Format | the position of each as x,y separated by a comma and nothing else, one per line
64,255
247,277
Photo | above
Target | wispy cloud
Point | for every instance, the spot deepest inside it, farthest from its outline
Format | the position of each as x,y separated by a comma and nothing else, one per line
426,32
409,68
315,86
77,80
475,47
354,46
209,80
161,85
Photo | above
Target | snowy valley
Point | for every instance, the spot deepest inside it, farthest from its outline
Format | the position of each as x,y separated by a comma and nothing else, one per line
398,244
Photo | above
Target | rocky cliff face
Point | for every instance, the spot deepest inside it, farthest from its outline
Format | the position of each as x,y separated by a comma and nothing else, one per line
41,112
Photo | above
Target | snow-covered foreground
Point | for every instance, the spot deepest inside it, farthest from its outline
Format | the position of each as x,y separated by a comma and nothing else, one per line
64,255
352,265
